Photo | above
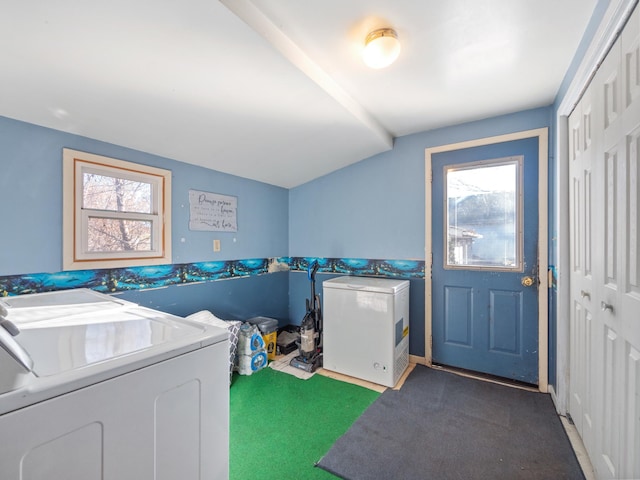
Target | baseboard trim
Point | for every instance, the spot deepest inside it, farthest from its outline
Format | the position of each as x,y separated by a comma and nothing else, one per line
578,448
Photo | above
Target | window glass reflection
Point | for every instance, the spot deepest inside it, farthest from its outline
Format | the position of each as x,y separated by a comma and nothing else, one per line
482,216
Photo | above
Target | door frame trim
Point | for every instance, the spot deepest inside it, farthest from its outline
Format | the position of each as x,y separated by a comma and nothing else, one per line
543,233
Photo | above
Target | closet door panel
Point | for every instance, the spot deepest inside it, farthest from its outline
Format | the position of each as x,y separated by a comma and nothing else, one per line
605,261
628,300
582,361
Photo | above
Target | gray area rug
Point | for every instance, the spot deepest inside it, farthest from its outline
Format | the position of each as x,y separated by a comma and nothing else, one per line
444,426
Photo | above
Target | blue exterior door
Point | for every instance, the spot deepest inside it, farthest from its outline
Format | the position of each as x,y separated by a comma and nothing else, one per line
485,259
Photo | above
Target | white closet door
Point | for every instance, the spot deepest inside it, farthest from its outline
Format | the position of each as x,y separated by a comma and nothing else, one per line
605,276
581,363
607,345
625,317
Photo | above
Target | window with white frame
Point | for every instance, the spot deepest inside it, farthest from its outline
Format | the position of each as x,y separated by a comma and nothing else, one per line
116,213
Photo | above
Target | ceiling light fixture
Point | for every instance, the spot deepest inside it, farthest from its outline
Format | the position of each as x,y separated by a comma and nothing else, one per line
381,48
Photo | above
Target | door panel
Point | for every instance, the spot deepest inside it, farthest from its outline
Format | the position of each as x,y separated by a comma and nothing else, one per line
583,293
505,312
604,372
628,300
483,318
458,316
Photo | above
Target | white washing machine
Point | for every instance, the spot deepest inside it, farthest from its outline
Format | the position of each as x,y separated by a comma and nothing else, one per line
93,387
366,327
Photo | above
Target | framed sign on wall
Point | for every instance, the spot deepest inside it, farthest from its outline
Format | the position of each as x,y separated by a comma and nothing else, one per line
212,212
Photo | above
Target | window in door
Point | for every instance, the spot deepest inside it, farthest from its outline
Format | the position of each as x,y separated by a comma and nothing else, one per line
483,212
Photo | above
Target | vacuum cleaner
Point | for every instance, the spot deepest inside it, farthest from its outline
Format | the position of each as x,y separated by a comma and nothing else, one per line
310,346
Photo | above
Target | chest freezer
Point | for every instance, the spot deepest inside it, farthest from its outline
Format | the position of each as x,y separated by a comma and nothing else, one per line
366,328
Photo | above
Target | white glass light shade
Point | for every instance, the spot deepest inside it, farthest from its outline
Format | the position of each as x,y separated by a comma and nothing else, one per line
381,49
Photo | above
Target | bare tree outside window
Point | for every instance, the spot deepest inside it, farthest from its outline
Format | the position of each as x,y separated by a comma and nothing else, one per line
113,194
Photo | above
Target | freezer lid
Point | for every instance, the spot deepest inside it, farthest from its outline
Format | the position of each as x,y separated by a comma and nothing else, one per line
369,284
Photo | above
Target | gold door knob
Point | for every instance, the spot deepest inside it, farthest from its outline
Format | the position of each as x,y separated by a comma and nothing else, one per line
527,281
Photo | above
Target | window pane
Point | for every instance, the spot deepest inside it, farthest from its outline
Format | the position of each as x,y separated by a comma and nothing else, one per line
101,192
482,223
118,235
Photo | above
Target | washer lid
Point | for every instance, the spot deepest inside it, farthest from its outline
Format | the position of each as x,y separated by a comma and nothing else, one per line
61,305
73,329
60,346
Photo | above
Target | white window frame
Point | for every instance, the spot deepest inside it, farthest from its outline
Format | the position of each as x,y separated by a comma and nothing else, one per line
76,255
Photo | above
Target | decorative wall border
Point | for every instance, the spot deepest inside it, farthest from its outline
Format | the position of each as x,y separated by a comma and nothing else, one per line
141,278
361,266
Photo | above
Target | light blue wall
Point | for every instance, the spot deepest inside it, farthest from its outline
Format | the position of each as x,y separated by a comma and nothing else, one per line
31,194
375,208
237,299
31,232
587,37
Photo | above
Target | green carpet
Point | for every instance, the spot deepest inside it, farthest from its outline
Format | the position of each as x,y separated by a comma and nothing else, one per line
280,426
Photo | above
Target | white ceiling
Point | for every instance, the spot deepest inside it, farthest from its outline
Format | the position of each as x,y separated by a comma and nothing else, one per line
275,90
